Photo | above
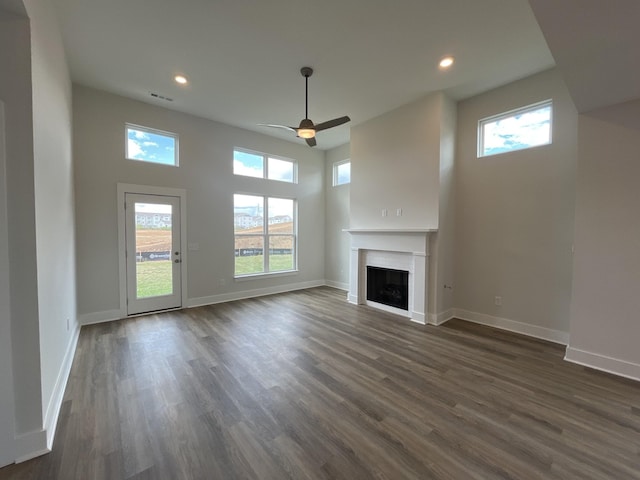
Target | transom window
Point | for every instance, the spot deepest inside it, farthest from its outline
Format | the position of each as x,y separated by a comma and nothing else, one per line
518,129
151,145
265,234
341,173
261,165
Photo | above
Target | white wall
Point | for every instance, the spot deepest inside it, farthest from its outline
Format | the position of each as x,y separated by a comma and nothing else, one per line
337,242
514,220
40,222
54,206
442,247
206,155
605,324
395,164
15,92
7,415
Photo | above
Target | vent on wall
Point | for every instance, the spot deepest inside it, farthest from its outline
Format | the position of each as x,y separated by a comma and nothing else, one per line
161,97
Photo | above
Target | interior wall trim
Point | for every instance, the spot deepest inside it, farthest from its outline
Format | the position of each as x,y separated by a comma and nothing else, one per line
258,292
55,402
100,317
31,445
555,336
603,363
339,285
440,318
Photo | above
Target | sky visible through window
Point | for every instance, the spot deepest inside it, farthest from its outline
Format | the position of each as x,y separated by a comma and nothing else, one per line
151,147
522,130
254,205
252,165
248,164
342,173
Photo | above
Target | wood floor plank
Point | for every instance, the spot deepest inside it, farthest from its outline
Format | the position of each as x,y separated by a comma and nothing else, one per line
305,386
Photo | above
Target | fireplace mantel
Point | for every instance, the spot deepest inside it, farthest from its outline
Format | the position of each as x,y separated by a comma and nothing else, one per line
408,247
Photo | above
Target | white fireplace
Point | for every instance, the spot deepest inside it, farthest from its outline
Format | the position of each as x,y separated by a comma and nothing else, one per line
404,250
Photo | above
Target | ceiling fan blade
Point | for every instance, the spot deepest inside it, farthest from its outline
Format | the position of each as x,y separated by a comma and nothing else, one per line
292,129
311,141
332,123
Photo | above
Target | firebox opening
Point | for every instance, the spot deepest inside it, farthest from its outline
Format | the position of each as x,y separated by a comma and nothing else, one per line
388,286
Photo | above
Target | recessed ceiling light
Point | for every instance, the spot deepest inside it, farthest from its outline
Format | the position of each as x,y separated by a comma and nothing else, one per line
446,62
181,79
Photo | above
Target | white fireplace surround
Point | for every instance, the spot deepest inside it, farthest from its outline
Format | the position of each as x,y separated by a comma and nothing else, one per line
406,250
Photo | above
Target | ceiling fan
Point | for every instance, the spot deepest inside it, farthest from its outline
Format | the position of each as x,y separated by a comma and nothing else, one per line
307,129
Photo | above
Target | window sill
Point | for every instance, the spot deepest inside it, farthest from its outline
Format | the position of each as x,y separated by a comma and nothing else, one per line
256,276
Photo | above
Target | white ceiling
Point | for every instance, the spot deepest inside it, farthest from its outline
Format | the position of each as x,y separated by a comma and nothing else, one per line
243,57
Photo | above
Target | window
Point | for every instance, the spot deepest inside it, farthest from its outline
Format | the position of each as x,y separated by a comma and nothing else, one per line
341,173
264,243
515,130
149,145
259,165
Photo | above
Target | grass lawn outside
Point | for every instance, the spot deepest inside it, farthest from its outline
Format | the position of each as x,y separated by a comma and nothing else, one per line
253,264
154,278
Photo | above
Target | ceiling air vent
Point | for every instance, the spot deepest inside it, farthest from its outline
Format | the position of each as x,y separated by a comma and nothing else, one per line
160,97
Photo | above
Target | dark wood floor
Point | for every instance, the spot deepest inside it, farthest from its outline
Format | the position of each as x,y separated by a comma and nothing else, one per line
305,386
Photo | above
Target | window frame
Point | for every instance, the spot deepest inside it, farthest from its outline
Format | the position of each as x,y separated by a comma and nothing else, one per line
512,113
336,166
265,165
154,131
265,235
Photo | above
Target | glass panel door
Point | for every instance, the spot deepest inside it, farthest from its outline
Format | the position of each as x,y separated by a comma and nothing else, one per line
153,253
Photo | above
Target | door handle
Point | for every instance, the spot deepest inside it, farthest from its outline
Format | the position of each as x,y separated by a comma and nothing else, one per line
177,260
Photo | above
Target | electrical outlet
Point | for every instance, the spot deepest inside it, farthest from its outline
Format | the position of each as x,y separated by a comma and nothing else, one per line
384,212
498,301
67,324
399,212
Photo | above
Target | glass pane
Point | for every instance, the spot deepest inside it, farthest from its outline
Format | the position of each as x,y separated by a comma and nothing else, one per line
248,164
153,250
281,253
248,214
149,146
342,173
515,132
280,215
280,170
249,254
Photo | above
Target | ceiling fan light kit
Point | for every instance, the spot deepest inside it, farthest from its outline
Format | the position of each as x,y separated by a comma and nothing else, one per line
307,129
306,132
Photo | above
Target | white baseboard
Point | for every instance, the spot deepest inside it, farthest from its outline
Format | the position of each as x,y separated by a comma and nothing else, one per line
55,402
258,292
615,366
555,336
338,285
39,442
31,445
116,314
100,317
440,318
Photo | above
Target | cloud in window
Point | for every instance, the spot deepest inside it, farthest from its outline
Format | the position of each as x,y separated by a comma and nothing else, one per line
518,131
151,147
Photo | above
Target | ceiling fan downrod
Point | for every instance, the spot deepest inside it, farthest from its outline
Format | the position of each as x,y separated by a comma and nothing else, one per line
306,73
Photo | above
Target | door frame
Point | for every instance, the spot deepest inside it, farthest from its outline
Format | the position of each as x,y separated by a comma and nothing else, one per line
123,189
